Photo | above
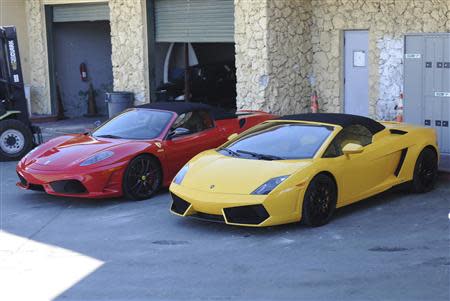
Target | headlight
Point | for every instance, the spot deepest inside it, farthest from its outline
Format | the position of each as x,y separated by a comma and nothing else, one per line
180,175
270,185
97,158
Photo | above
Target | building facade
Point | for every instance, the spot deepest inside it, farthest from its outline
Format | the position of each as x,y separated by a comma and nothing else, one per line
284,49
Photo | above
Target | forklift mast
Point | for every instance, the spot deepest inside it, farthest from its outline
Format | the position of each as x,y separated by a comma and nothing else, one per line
12,94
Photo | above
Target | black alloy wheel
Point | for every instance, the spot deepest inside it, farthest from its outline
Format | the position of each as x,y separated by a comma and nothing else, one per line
142,178
319,201
425,171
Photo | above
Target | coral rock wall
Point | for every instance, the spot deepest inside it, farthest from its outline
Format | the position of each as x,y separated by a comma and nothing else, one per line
301,44
273,54
39,80
252,68
290,56
129,53
387,22
284,50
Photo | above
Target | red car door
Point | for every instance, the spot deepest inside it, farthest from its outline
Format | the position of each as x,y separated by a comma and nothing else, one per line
202,135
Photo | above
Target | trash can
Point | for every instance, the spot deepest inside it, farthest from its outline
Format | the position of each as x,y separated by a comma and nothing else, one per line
118,101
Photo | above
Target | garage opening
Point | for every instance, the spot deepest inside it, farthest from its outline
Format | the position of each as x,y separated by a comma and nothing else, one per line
82,59
194,52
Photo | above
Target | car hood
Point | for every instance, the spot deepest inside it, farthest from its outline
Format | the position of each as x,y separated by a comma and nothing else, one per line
70,151
214,172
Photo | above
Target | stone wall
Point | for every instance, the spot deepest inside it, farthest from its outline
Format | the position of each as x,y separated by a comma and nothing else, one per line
302,39
290,56
129,53
387,22
390,76
39,80
280,45
273,54
252,68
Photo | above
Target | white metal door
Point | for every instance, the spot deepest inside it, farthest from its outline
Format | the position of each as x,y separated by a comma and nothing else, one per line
445,97
356,73
427,84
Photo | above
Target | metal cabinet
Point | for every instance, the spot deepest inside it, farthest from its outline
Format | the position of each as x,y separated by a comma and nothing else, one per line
427,83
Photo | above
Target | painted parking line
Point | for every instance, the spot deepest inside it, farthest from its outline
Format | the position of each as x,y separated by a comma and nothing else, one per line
31,270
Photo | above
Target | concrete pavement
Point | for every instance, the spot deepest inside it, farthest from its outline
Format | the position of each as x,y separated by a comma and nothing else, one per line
394,246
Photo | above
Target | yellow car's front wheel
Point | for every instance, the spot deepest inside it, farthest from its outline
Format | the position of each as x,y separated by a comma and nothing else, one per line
319,202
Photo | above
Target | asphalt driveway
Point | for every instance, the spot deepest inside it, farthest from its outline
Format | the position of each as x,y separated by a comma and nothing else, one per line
394,246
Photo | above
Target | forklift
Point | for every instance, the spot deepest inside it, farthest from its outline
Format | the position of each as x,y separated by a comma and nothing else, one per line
17,135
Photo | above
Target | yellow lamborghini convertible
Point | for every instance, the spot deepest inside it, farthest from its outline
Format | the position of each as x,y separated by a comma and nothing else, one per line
303,167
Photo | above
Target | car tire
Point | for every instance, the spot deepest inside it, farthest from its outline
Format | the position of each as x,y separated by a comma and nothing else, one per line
319,201
425,171
142,178
16,140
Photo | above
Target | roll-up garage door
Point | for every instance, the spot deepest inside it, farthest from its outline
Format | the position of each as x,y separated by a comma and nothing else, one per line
194,21
81,12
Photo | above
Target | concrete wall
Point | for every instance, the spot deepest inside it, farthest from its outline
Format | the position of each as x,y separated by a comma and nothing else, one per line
77,42
12,12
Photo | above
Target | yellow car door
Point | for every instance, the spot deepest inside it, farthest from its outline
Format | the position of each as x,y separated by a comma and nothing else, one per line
363,172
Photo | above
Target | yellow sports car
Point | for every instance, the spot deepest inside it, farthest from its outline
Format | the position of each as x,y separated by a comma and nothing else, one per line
303,167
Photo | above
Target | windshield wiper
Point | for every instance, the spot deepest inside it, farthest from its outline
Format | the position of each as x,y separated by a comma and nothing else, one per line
260,156
233,153
108,136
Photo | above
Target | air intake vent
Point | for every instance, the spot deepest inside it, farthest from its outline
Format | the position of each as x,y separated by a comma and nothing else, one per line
179,205
400,162
397,132
209,217
36,187
252,215
68,186
22,180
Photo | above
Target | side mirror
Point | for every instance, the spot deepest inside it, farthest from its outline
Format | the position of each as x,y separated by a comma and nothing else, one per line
232,136
352,148
179,132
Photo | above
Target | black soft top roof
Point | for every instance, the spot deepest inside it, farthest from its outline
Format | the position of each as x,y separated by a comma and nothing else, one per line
343,120
177,107
185,107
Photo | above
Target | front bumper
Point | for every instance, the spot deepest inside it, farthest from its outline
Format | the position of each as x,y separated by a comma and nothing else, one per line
237,209
100,182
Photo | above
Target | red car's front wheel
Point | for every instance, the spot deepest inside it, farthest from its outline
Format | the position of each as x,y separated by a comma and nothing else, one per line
142,178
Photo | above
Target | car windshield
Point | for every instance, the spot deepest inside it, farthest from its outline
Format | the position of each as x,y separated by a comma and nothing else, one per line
135,124
275,141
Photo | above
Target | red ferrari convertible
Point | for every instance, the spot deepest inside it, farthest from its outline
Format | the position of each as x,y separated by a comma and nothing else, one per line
132,154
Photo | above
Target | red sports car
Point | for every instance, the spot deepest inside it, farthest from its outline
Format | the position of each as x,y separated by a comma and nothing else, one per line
132,154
